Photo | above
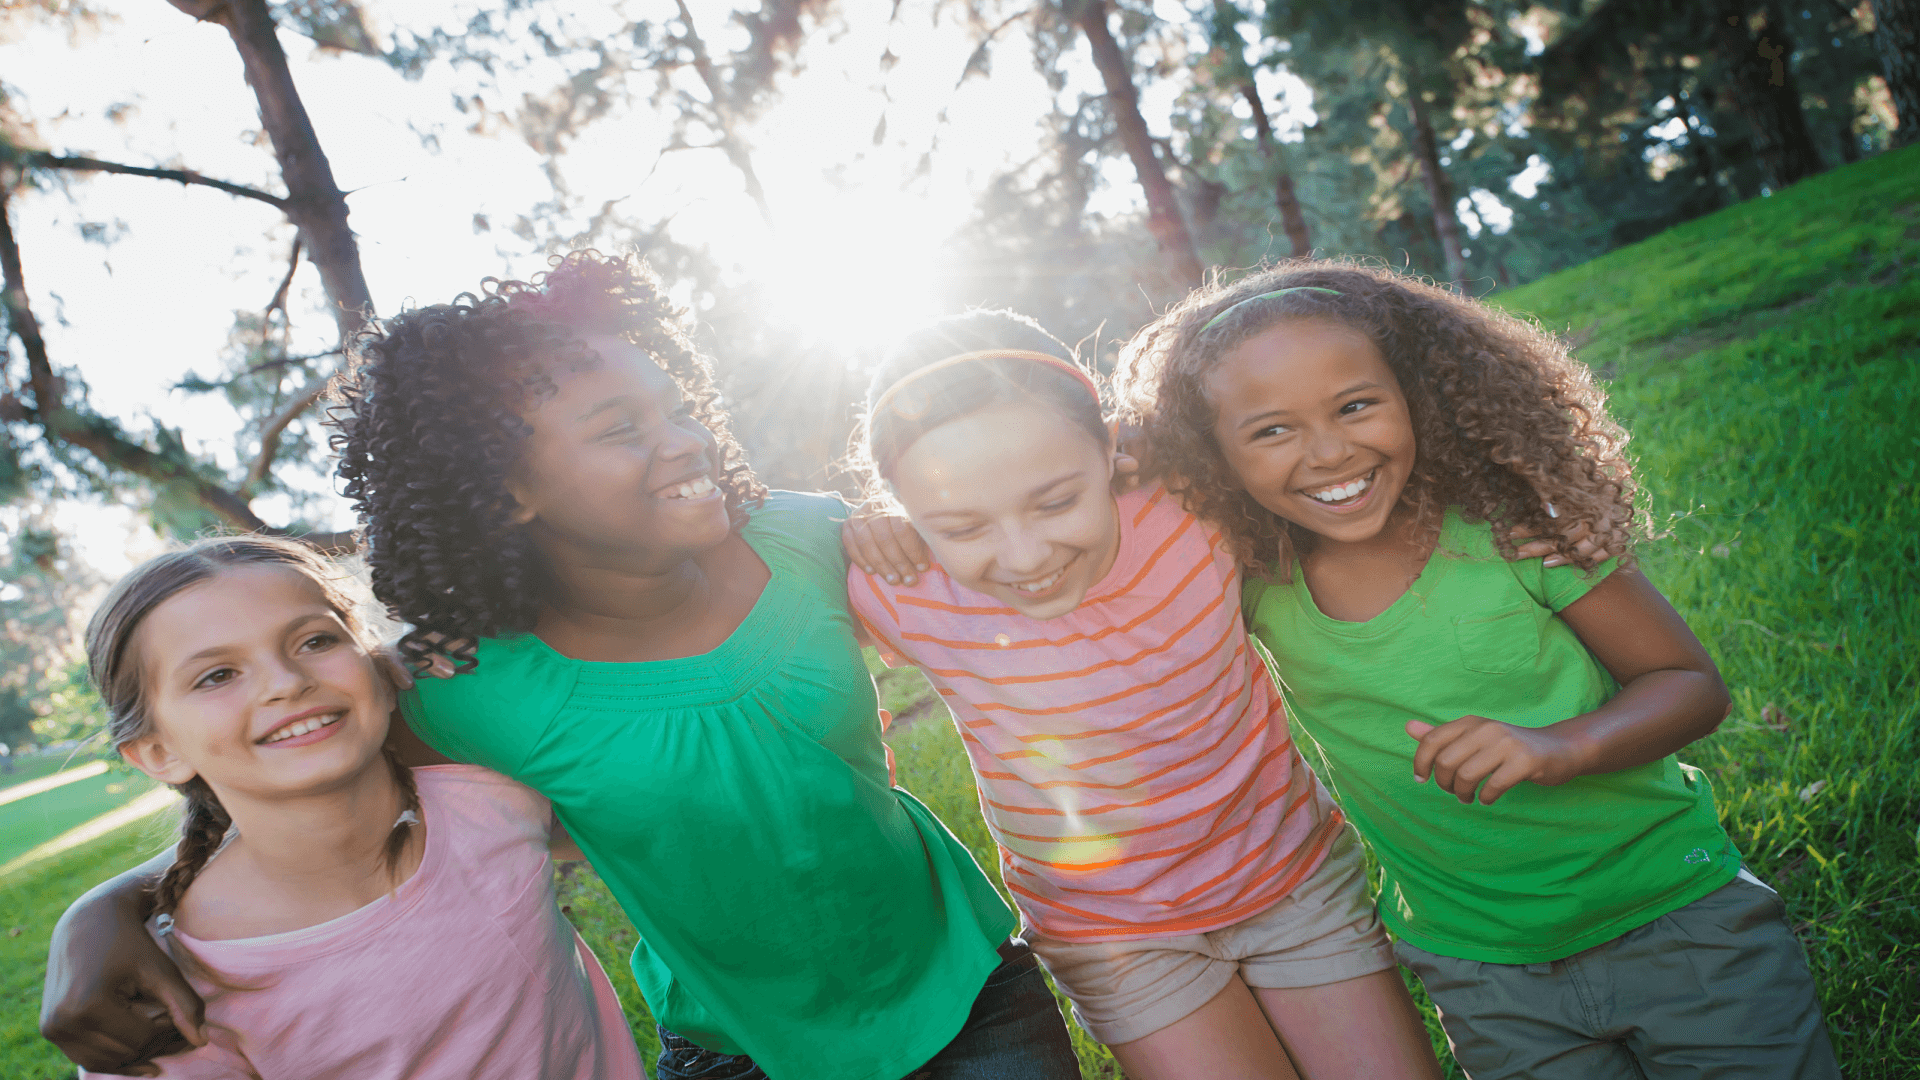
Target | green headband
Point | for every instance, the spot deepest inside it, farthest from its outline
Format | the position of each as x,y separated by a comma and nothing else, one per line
1231,308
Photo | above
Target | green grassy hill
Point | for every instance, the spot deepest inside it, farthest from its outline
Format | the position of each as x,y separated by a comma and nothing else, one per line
1765,360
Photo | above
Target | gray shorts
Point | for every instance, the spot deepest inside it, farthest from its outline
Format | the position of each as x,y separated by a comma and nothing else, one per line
1717,988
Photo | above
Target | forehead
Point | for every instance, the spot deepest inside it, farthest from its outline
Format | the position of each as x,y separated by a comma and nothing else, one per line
1303,358
236,605
996,454
621,368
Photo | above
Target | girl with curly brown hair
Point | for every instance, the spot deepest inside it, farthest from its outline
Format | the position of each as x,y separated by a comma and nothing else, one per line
1562,886
662,647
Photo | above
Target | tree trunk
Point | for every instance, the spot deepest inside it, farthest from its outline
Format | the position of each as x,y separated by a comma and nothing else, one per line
1291,219
1896,35
1446,224
1767,94
315,203
1163,210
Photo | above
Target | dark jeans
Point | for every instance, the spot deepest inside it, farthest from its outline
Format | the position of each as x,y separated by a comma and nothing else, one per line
1013,1033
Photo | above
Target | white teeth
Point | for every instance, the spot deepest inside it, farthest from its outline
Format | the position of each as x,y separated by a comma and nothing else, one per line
692,489
1342,492
1042,584
303,726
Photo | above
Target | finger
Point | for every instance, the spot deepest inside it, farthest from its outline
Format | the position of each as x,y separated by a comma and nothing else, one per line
1431,744
1465,776
94,1051
897,561
912,543
850,543
873,548
183,1006
1502,781
865,551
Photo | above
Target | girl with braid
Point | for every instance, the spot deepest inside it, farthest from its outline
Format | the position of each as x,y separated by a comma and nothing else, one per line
651,639
340,914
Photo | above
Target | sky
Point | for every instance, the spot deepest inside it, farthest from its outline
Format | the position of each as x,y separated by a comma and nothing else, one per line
137,280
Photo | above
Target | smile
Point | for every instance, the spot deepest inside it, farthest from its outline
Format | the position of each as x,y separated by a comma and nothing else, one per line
302,727
693,489
1336,494
1039,585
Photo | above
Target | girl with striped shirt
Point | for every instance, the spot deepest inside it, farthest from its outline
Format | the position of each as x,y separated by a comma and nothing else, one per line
1183,875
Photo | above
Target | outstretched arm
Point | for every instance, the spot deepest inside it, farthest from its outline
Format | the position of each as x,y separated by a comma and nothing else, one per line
1670,695
113,999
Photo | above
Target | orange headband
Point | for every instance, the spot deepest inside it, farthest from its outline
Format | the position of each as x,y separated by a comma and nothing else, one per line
1075,370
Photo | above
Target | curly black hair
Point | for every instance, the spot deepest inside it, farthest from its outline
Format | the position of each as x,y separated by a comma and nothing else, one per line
429,427
1506,423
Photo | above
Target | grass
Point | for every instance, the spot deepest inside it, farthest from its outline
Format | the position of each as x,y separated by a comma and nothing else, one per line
39,818
33,768
1765,359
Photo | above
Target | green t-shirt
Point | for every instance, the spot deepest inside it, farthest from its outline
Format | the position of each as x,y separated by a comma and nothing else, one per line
1544,872
791,903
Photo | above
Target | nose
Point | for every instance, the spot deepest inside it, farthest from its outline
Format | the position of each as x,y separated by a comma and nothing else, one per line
286,679
679,442
1022,551
1328,448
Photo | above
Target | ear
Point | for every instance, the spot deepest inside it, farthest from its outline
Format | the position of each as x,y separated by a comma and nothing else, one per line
523,510
152,755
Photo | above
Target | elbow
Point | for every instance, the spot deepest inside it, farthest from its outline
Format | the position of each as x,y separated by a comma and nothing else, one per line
1716,704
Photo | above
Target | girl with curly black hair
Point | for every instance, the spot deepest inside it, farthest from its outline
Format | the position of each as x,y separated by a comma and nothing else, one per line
661,646
1563,886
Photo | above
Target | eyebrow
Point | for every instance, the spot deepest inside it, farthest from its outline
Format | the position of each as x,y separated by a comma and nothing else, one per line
611,403
1032,493
287,628
1366,384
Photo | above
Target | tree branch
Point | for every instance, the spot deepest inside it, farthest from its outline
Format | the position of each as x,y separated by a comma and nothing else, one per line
270,435
95,434
41,159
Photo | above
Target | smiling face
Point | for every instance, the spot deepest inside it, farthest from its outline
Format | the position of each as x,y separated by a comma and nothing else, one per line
1016,502
617,465
253,682
1314,425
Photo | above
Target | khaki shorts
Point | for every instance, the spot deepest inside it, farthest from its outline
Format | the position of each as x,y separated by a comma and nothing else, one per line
1324,932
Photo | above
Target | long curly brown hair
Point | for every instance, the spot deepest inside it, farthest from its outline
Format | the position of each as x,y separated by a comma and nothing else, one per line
429,426
1506,423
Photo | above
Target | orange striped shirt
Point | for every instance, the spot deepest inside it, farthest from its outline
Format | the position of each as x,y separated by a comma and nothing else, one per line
1132,755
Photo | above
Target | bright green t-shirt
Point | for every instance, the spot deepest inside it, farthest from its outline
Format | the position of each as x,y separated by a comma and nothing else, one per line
792,904
1544,872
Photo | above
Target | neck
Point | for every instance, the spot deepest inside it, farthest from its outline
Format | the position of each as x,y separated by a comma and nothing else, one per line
327,844
618,595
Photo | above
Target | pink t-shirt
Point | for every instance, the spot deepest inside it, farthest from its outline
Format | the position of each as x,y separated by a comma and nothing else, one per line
467,970
1133,756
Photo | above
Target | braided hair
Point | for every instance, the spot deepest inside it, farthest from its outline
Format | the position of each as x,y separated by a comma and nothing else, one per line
429,426
116,669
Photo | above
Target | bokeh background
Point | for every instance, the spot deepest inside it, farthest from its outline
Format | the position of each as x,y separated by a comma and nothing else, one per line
1709,200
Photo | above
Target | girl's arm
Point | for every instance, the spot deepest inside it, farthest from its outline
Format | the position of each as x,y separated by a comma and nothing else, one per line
113,999
885,544
1670,695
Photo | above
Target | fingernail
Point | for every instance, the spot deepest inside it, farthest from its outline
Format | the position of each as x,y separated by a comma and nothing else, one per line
892,580
868,569
911,579
919,566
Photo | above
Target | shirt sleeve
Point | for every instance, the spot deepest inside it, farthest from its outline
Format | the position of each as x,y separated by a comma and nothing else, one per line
1556,587
493,716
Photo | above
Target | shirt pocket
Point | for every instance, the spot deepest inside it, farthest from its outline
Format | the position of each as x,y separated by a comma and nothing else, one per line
1504,641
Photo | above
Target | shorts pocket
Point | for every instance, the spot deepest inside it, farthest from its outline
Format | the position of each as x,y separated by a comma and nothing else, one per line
1501,642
